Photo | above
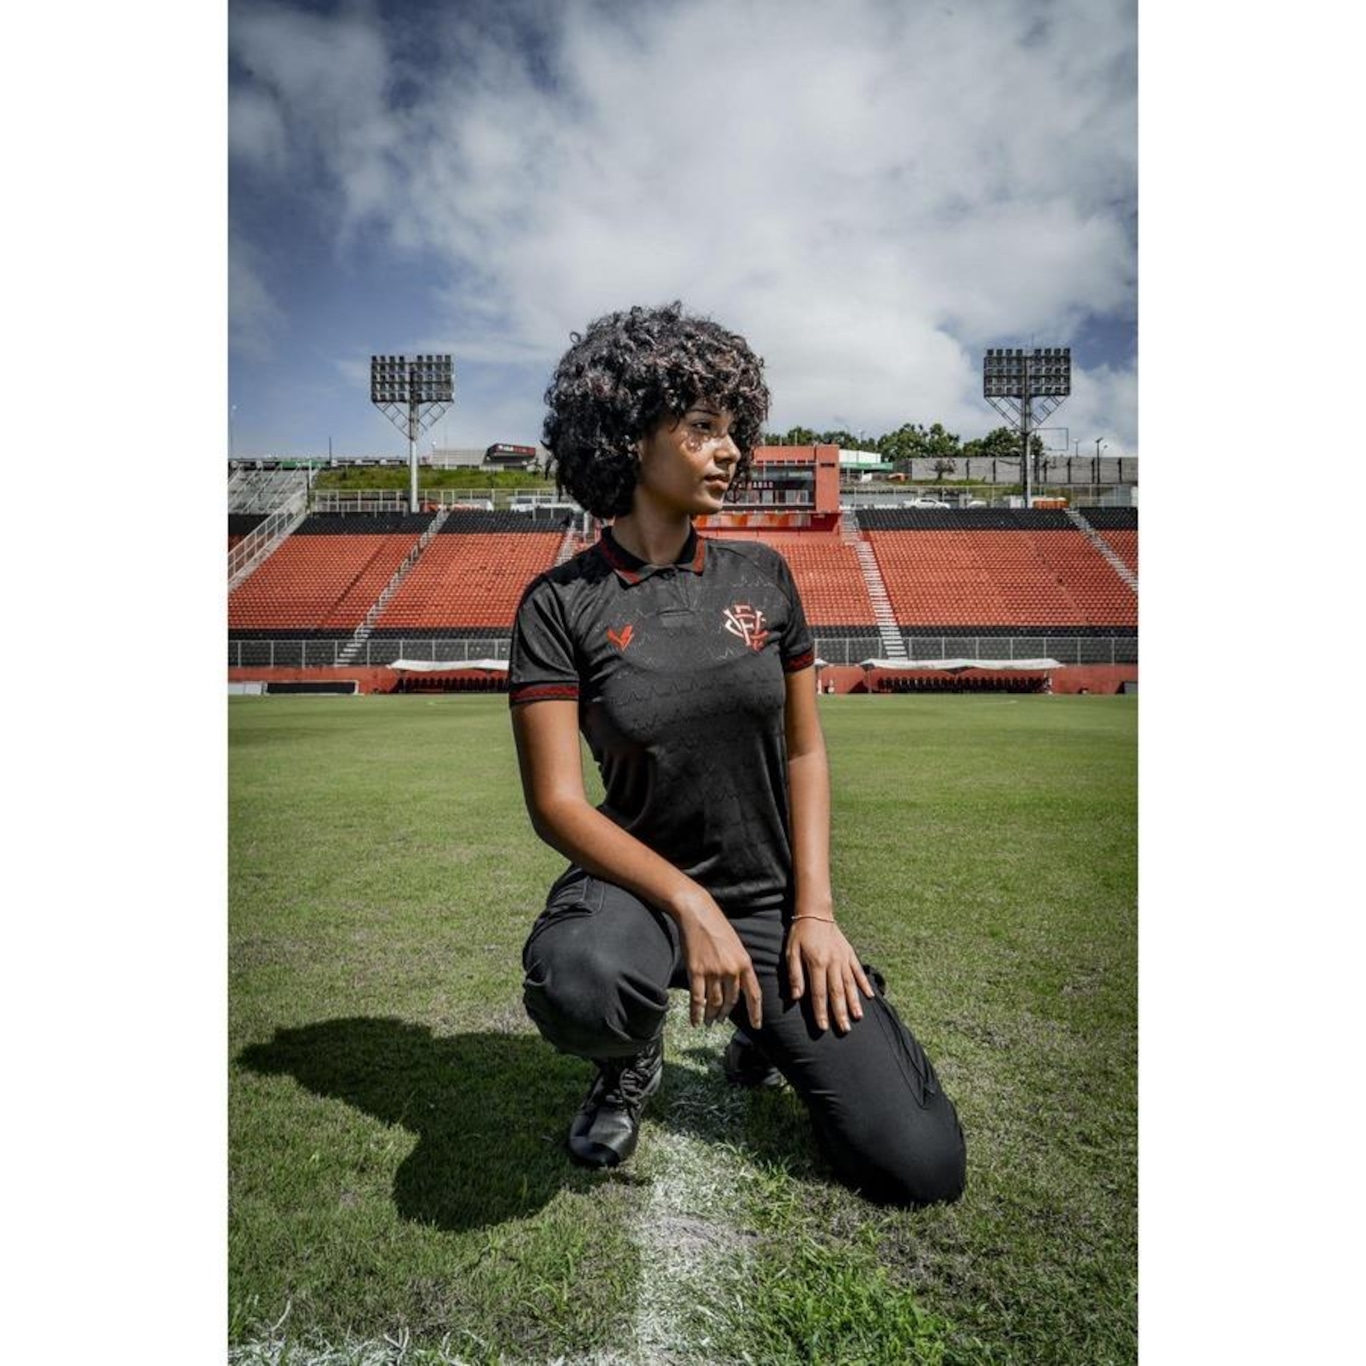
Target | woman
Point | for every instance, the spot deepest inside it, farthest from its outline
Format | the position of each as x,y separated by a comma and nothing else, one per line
688,666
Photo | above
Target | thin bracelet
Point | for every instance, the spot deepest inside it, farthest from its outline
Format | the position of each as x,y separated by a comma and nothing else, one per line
824,919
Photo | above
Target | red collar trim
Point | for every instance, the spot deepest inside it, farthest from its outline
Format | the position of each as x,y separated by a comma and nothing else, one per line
617,557
700,558
632,570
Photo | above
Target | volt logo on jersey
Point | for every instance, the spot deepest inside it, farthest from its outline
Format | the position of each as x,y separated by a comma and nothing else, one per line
621,639
748,623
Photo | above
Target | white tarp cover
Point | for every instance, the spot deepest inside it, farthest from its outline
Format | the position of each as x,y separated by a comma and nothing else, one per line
450,666
958,665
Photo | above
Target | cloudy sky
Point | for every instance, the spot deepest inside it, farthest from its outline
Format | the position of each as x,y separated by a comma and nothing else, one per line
872,191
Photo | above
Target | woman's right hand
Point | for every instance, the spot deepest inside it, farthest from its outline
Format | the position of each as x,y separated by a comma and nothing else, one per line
719,969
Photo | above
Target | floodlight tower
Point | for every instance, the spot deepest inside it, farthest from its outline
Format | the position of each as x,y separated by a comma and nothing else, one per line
412,392
1014,379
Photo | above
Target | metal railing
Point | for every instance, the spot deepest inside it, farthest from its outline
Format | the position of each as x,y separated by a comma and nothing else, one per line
850,494
257,543
1065,649
961,495
1052,469
396,500
326,654
264,490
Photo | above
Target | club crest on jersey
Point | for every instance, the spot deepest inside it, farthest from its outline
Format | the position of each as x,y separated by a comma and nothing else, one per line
748,623
621,639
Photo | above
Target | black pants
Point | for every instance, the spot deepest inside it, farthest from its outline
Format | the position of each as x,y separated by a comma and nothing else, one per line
599,965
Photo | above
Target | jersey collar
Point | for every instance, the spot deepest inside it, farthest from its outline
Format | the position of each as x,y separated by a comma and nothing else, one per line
630,569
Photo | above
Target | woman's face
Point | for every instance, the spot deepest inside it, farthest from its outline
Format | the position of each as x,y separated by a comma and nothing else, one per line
687,463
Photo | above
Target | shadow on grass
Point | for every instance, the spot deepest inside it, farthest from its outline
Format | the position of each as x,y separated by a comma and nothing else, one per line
487,1109
490,1111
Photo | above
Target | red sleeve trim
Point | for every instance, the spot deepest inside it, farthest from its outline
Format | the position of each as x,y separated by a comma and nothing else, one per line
544,692
799,662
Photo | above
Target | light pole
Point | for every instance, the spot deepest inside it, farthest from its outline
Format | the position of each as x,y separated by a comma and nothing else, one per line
1013,380
1099,445
412,392
232,408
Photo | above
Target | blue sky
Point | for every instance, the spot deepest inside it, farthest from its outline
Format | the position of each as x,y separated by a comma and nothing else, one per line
872,192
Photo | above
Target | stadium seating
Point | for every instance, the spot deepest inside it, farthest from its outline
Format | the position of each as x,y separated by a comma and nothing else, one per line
952,575
1043,578
964,519
827,573
1111,519
1124,544
320,580
369,523
1101,596
470,579
241,525
477,519
1118,528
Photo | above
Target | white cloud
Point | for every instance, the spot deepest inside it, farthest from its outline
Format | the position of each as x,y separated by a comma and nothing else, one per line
256,130
1103,405
327,80
254,318
870,191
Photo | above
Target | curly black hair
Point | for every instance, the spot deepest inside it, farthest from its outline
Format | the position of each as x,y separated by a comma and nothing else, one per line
625,374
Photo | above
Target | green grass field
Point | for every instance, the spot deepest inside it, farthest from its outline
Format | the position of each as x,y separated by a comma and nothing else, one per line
398,1183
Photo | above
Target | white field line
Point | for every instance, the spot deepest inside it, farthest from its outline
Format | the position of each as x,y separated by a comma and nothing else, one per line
686,1231
690,1246
274,1350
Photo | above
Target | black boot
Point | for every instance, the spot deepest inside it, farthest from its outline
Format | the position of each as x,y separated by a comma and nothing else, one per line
605,1130
745,1064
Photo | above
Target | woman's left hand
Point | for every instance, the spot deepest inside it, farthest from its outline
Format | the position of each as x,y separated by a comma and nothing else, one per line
820,956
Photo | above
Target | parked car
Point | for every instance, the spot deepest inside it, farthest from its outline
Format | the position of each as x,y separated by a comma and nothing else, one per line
927,503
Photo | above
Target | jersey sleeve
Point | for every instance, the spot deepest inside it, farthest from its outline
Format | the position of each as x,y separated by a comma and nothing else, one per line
541,663
796,648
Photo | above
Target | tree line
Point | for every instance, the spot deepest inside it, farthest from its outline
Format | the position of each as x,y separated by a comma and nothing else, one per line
914,441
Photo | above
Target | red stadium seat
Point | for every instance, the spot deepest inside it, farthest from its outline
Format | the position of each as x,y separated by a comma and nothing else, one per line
1001,578
314,582
471,579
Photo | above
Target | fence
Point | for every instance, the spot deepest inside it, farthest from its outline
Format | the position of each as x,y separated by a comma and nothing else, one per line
293,654
264,490
1079,493
1053,469
324,654
1065,649
860,496
396,500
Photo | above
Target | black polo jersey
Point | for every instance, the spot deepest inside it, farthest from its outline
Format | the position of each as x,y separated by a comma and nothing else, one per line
678,671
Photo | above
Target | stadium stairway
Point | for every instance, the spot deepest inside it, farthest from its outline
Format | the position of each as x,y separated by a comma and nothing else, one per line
348,654
259,545
470,577
893,643
1102,545
568,546
265,490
